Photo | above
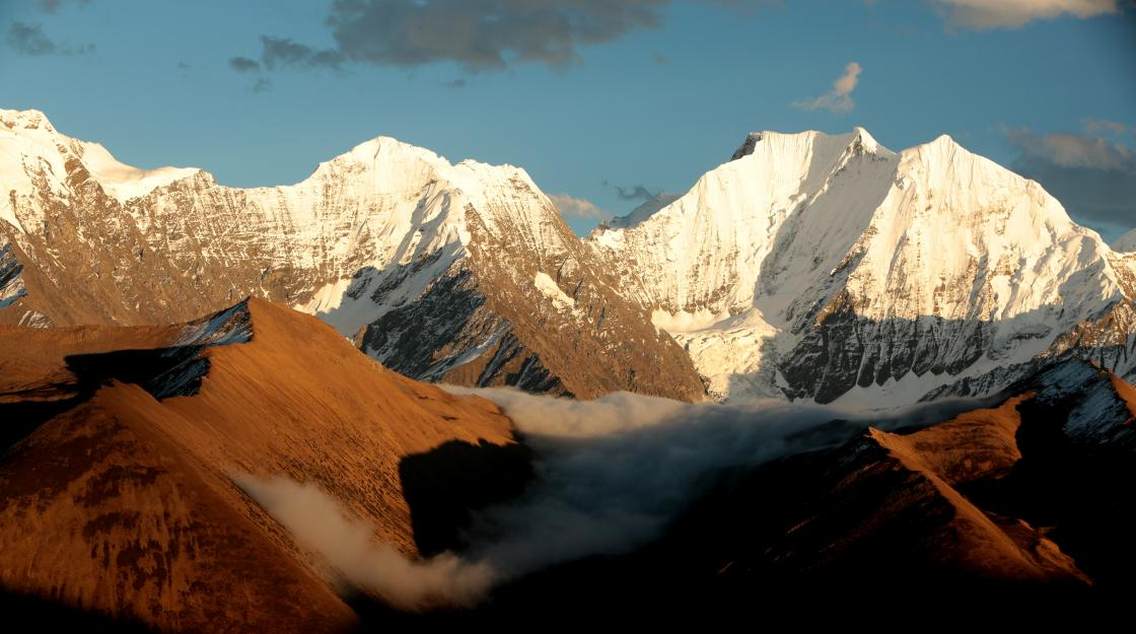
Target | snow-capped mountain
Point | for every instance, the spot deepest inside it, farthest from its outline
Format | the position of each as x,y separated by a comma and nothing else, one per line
829,267
456,272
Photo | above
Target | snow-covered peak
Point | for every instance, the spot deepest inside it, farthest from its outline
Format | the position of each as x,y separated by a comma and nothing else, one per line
798,227
25,120
33,152
124,182
859,138
706,251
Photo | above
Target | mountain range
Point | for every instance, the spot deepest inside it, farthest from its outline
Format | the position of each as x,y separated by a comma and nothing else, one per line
808,266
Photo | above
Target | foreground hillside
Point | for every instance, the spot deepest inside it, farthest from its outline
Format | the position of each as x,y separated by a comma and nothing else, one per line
142,476
122,446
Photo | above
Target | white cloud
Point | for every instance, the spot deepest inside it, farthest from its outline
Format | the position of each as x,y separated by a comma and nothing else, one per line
839,99
318,522
577,207
995,14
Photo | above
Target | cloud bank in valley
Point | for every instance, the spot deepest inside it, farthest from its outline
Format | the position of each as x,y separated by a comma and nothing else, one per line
610,475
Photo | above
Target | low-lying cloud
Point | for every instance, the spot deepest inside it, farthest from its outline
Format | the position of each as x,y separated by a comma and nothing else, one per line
318,522
610,476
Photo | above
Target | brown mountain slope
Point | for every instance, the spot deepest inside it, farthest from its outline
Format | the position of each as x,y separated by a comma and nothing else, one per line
119,499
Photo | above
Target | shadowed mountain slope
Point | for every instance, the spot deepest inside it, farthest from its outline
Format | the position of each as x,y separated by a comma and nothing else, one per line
119,497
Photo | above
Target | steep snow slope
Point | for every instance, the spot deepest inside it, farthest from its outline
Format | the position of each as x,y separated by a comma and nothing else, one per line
428,265
830,267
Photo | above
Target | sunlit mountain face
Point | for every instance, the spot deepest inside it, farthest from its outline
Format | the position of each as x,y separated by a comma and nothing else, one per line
680,339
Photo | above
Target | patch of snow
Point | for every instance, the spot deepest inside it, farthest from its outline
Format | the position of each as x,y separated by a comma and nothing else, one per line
123,182
550,289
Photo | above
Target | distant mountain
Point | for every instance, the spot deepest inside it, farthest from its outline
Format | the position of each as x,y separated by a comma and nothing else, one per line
1125,243
460,273
829,267
643,212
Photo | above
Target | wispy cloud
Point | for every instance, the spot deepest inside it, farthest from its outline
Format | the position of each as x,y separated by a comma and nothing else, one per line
1104,126
283,52
839,98
478,35
244,64
30,39
573,207
995,14
1094,177
53,6
632,192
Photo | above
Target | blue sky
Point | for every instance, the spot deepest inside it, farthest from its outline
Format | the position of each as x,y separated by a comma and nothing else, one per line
585,94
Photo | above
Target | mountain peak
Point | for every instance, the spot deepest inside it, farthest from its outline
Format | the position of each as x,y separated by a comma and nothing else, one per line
26,119
858,137
861,138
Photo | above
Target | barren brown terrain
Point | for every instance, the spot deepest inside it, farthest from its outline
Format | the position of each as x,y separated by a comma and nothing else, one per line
119,502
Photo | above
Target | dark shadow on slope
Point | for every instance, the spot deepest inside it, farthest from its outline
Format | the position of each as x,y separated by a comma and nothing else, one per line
19,419
1079,493
40,614
163,372
445,485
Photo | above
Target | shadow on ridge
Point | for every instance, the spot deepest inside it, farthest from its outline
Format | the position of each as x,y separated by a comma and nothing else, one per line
445,485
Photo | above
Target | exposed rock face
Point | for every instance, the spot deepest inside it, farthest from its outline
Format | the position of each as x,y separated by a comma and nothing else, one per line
850,272
11,282
429,265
